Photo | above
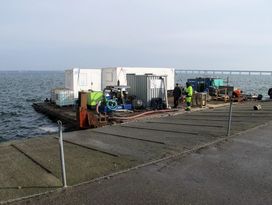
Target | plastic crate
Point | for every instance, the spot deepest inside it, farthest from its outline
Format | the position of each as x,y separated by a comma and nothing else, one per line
62,97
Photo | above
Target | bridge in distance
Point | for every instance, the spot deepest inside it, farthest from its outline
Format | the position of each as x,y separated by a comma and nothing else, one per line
225,72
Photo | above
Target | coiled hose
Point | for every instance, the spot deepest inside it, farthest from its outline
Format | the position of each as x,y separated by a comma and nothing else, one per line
112,104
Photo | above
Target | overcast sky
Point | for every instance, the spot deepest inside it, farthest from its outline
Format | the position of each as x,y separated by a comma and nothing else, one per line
60,34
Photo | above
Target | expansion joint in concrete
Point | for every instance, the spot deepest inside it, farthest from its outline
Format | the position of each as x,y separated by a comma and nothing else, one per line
127,137
161,130
88,147
33,160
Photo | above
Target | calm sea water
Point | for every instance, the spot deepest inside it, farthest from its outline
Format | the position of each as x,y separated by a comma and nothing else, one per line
18,90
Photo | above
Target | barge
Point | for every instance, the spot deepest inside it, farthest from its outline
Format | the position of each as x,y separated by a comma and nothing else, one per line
97,97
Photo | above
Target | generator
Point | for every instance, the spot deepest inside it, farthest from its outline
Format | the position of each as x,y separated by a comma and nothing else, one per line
115,98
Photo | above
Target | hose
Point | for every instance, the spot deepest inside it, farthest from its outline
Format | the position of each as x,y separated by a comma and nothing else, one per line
97,107
112,104
142,114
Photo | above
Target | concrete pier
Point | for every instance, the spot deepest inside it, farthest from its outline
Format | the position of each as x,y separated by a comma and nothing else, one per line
236,171
32,166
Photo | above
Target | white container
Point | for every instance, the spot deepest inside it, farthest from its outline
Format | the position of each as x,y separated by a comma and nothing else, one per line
110,76
82,80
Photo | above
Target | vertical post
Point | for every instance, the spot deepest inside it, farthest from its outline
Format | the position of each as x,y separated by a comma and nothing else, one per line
63,172
230,116
225,96
165,92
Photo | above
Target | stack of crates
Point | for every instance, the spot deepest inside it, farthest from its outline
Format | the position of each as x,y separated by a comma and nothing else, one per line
62,97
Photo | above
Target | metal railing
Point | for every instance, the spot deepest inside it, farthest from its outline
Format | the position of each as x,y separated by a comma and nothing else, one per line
63,171
230,118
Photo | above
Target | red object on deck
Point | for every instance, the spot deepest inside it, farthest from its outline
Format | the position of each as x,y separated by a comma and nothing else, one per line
83,117
82,113
237,93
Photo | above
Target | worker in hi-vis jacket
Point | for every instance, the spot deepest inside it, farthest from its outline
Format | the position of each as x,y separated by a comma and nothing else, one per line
189,94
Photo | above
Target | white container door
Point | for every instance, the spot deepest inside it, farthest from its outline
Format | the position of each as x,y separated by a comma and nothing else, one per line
69,82
95,80
109,77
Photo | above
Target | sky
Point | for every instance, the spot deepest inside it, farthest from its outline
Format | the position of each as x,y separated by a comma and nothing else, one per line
189,34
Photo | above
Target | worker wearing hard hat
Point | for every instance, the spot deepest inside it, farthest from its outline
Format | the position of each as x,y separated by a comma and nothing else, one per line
189,94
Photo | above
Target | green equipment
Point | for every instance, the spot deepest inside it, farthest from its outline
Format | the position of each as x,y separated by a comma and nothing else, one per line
94,97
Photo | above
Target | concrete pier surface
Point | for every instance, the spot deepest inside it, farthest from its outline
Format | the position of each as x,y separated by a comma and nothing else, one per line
233,171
